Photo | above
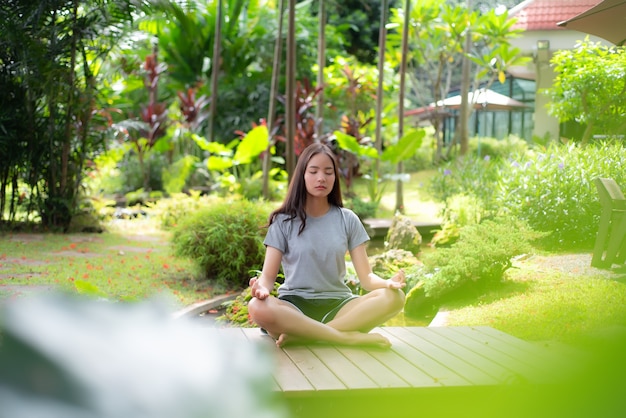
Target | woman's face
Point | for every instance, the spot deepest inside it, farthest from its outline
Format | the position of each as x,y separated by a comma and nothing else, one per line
319,176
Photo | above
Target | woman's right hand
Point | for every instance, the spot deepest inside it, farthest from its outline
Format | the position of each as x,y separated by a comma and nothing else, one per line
258,291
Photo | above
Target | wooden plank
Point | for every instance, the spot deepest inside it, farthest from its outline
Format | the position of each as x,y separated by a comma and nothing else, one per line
461,346
288,377
541,356
315,371
345,370
499,352
554,363
431,372
467,370
383,367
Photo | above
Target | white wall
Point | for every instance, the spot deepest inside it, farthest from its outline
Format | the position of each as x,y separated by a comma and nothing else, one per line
541,71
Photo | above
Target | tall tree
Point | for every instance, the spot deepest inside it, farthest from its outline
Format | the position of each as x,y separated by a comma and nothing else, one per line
215,68
590,89
52,55
321,63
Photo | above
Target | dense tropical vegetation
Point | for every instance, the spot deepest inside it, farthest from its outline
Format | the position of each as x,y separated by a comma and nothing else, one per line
193,110
139,99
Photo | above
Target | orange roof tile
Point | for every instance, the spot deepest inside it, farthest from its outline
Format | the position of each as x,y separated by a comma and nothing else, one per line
545,14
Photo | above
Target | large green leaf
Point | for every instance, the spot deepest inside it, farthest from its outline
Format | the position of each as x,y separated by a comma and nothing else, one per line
254,143
405,148
216,163
349,143
212,147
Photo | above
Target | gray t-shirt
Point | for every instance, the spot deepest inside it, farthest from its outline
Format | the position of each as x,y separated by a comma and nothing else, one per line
314,262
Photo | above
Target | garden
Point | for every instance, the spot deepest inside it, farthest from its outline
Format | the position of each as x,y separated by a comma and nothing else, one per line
149,170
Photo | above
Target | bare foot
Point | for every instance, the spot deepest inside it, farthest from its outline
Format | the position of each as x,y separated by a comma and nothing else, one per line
285,339
367,339
353,338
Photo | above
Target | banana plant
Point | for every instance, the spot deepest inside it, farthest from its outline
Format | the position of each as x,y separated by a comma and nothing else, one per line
401,151
235,160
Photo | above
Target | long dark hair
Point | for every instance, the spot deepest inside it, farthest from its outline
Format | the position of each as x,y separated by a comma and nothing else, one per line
294,203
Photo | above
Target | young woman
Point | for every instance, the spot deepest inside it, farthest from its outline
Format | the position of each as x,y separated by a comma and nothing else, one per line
310,235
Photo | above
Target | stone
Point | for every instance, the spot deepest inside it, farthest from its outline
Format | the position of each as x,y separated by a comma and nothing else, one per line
403,234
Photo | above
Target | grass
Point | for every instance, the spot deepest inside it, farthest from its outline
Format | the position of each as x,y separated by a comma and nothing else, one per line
132,261
539,303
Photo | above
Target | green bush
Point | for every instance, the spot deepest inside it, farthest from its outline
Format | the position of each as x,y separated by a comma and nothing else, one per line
497,148
551,188
364,209
480,257
169,212
479,177
225,240
461,210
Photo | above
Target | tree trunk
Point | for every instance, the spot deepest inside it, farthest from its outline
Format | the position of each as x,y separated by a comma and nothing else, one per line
291,89
215,69
382,39
271,114
463,135
321,64
405,47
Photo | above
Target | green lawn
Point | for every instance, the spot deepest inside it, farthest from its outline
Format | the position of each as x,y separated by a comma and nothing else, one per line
130,262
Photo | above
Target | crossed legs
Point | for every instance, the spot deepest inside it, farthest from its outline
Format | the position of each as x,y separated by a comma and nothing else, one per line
350,326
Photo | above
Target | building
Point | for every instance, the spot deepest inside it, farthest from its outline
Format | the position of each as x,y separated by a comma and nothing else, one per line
541,37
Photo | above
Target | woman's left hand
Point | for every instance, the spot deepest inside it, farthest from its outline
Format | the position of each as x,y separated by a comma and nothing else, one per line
398,281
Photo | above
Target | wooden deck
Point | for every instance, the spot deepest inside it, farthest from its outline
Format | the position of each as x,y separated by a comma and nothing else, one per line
429,371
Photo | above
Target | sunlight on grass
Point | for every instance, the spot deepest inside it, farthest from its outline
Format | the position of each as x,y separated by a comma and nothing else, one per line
418,203
548,306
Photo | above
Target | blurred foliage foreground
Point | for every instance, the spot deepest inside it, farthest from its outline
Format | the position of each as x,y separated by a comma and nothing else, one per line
73,357
67,357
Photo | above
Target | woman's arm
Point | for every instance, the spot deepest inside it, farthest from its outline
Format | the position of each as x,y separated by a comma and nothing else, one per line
263,285
371,281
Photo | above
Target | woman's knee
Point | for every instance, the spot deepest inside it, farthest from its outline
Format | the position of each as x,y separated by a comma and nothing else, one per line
259,310
395,298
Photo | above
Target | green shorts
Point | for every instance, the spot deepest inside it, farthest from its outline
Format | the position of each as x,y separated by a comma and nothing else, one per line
322,310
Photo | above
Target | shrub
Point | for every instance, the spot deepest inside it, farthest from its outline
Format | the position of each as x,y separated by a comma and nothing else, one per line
480,257
497,148
461,210
552,189
364,209
169,212
225,240
473,176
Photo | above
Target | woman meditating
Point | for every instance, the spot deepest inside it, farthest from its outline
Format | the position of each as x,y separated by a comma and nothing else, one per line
309,234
